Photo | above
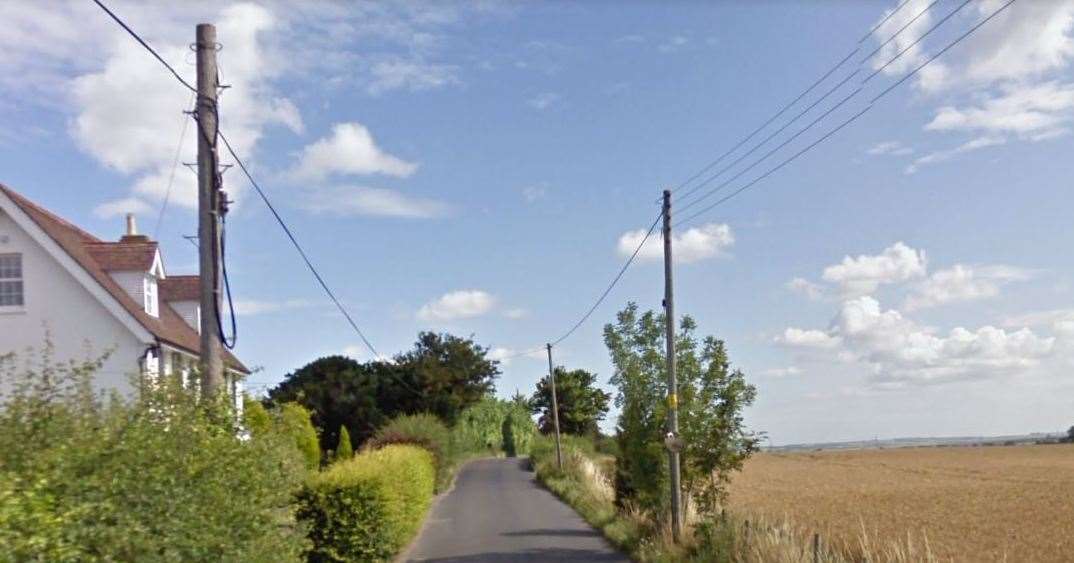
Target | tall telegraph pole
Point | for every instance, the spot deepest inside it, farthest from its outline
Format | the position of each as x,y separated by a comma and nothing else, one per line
212,362
555,407
673,384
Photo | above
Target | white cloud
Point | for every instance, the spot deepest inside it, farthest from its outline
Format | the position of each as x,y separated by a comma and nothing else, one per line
800,338
864,274
805,287
349,150
516,313
894,148
533,193
913,56
251,307
361,200
782,372
900,352
941,156
463,304
1028,111
122,207
128,111
692,245
1040,318
543,101
410,74
673,44
963,283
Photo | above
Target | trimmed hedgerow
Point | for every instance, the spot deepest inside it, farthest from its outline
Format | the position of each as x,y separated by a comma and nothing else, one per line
368,507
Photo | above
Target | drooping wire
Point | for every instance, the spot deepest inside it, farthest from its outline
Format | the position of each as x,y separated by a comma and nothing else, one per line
146,45
853,94
298,247
804,93
228,342
599,300
171,176
615,281
853,118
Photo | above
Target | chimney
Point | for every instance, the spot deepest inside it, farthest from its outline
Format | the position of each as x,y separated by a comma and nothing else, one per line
132,231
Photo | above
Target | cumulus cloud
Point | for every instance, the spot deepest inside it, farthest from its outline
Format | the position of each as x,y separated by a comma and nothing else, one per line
864,274
361,200
1028,111
800,338
692,245
900,352
805,287
349,150
463,304
782,372
963,283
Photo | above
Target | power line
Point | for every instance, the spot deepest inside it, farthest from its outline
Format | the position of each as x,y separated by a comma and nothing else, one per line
171,176
901,29
599,300
854,93
146,45
298,247
853,118
611,285
942,51
804,93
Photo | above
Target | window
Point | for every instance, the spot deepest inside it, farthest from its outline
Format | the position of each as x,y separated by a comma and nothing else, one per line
151,295
11,280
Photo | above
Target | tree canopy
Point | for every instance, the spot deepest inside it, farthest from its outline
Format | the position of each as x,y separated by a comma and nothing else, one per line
442,374
582,405
711,398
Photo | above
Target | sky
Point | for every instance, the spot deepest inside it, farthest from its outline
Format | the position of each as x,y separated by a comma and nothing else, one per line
484,169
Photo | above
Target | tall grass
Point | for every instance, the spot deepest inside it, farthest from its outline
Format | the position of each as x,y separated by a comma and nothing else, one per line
585,483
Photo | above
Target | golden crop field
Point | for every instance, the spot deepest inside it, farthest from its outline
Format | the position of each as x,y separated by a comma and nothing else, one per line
994,503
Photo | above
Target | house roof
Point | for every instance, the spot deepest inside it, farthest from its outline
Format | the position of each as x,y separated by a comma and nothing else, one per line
98,257
123,256
180,288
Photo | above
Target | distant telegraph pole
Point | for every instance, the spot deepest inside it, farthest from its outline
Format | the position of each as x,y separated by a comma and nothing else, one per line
212,362
555,407
672,442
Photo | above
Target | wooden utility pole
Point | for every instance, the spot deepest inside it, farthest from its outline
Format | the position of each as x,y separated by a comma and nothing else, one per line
555,407
673,442
212,359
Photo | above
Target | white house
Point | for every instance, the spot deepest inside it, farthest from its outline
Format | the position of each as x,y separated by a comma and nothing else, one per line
91,296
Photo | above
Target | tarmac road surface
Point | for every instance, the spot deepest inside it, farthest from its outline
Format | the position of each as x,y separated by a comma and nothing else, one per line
497,513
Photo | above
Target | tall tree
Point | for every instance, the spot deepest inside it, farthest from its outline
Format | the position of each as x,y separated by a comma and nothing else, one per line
582,405
711,395
442,374
452,373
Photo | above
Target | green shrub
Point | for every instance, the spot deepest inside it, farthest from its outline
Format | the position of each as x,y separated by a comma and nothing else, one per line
368,507
255,417
295,422
344,449
429,432
161,477
518,430
480,427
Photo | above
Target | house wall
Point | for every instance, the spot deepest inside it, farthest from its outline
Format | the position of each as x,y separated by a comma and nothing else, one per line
79,326
189,311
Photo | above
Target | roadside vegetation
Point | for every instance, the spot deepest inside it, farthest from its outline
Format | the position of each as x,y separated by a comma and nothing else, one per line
171,476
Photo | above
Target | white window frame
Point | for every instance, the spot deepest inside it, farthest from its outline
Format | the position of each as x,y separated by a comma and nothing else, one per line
149,293
20,281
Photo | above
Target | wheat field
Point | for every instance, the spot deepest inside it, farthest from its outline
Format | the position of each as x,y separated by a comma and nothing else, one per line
968,503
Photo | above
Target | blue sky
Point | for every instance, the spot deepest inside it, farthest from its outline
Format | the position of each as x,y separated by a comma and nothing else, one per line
479,169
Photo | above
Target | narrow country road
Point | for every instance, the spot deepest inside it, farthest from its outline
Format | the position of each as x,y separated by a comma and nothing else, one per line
498,513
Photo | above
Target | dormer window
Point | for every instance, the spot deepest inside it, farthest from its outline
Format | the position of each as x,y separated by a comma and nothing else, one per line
149,291
11,287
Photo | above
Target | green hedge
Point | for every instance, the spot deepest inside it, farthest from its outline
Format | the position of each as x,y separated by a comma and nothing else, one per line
368,507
